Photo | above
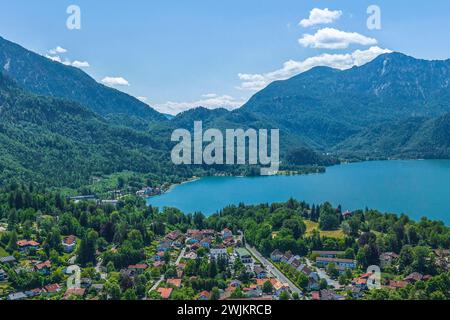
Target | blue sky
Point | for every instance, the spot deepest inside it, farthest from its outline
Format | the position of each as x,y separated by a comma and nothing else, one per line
179,54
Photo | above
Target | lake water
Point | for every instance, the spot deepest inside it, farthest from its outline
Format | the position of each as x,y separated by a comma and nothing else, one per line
417,188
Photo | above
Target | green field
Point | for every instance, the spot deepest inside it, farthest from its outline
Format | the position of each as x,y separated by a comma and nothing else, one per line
311,226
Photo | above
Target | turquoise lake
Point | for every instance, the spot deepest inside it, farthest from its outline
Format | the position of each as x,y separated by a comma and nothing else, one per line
416,188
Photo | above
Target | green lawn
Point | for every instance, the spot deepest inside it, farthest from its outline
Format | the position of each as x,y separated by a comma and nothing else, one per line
3,252
311,226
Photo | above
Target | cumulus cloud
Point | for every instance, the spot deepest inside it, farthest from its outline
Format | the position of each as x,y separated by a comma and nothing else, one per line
330,38
67,62
210,101
80,64
57,50
115,81
290,68
321,16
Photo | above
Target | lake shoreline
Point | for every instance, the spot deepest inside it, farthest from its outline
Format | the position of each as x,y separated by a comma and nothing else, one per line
413,187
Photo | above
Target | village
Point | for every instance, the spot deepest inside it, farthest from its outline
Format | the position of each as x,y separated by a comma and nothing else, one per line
202,265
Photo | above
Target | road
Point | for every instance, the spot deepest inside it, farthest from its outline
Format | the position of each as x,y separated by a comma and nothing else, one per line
155,286
181,255
323,275
273,270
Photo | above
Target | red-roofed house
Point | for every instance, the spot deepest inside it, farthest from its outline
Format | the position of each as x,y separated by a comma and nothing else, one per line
52,288
165,292
69,243
204,295
77,292
315,295
174,282
43,267
138,268
27,245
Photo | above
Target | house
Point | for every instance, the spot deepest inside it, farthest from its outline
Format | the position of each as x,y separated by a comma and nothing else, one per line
204,295
218,252
3,275
78,199
43,267
191,255
260,272
165,292
397,284
74,292
206,243
69,243
158,264
229,242
253,291
329,295
235,283
387,258
207,232
26,245
16,296
341,264
110,202
174,282
356,292
328,254
34,293
286,257
137,268
8,260
52,288
244,255
164,246
226,233
313,281
414,277
276,255
174,235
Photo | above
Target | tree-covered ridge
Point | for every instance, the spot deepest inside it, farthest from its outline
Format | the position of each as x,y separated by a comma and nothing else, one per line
416,137
42,76
60,143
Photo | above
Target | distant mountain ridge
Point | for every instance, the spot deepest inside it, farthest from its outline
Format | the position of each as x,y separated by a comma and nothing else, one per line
42,76
58,124
329,105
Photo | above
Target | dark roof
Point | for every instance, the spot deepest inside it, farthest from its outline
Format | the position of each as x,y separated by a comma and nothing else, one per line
7,259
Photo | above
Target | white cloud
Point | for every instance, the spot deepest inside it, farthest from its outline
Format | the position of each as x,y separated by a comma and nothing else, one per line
115,81
54,58
290,68
67,62
57,50
80,64
210,101
142,98
330,38
320,16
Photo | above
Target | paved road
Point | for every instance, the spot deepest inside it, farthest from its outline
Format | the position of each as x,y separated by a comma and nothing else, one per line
272,269
181,255
157,283
322,274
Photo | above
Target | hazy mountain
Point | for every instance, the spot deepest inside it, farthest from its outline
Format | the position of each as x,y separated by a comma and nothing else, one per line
43,76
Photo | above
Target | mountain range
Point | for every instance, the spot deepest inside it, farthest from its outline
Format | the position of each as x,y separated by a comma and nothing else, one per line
59,125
